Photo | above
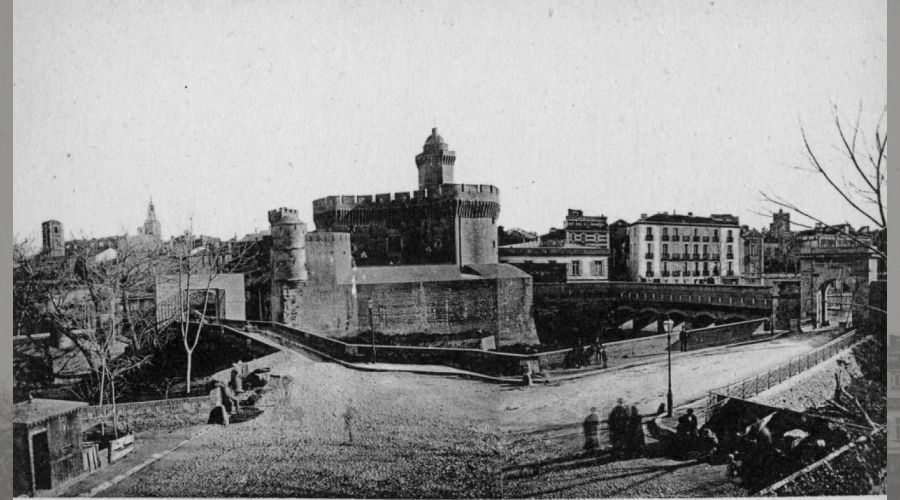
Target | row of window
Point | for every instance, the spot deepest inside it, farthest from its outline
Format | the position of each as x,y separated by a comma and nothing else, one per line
688,232
596,268
729,249
592,238
686,267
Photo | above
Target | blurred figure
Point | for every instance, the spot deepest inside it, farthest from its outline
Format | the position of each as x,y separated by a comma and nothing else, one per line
236,383
618,427
709,445
636,438
592,431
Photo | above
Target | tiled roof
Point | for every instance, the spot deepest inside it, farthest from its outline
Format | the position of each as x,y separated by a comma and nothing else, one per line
38,410
684,219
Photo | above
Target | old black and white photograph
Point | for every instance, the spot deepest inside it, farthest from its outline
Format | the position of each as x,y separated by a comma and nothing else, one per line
433,249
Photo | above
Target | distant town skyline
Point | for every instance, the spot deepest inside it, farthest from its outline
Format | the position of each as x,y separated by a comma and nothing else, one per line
223,111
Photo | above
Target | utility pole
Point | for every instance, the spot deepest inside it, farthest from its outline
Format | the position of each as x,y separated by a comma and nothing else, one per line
669,323
372,329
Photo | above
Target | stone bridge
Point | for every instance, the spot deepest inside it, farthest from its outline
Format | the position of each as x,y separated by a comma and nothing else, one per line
566,310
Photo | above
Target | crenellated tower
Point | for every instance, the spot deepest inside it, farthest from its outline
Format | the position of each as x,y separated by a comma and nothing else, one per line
441,223
288,254
435,162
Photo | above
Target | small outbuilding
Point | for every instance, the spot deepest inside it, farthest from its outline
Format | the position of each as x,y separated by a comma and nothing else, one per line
47,446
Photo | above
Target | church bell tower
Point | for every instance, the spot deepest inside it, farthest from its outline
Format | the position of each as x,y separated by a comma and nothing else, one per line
151,226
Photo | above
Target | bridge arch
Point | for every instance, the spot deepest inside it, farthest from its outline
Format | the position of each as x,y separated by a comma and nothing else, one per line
703,320
833,301
679,317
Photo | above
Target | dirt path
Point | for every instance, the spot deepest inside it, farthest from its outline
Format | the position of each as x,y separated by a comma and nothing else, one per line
433,437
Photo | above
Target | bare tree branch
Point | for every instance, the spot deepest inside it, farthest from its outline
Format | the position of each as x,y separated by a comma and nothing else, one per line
839,229
815,161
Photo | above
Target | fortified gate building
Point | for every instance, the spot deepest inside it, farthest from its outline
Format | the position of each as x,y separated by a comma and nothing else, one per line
401,263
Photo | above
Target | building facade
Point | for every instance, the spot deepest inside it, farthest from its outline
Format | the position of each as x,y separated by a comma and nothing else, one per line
752,257
825,237
582,246
685,249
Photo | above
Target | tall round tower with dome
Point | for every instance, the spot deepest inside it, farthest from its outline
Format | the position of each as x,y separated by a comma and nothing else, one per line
435,162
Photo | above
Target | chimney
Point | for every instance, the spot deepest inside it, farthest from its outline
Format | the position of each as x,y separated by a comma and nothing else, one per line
690,214
643,216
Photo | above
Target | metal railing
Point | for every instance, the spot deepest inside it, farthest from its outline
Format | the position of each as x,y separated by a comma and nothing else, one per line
754,385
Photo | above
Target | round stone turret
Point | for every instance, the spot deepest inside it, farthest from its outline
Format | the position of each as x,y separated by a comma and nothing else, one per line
435,162
288,246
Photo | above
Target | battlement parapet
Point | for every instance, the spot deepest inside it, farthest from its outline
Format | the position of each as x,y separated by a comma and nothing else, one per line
475,192
283,214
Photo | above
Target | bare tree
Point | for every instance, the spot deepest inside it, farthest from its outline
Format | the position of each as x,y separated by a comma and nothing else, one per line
860,180
197,269
92,297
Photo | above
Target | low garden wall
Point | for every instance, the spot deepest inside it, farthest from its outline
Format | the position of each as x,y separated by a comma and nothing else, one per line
731,333
474,360
145,415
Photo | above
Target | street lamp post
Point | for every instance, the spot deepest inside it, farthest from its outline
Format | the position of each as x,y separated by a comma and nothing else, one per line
372,330
669,324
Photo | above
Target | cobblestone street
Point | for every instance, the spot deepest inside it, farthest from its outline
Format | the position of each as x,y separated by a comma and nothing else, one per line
332,431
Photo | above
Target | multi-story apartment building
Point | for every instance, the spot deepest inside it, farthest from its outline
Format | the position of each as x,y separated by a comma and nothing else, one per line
582,246
752,256
685,249
590,230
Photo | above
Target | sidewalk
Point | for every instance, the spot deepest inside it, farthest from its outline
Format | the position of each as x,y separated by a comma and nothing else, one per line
149,447
555,376
560,375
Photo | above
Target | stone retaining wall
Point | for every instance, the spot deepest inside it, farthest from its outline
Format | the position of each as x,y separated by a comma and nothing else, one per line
143,415
732,333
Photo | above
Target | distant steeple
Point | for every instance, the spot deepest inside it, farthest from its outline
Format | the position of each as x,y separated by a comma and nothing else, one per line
151,225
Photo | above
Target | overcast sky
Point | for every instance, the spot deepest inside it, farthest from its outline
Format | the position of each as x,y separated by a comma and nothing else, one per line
222,110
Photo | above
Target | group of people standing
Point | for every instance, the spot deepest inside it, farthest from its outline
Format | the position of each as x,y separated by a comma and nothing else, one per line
583,354
626,431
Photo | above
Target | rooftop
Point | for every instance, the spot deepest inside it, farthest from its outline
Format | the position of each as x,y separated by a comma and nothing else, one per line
665,218
38,410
